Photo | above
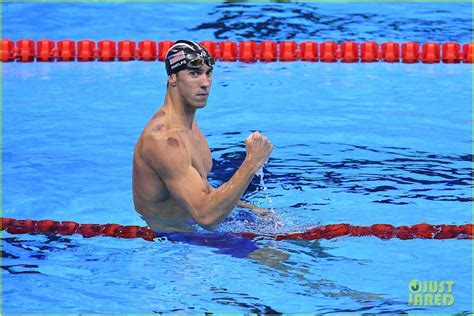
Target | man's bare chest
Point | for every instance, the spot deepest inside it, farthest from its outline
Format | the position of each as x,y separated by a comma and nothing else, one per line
200,154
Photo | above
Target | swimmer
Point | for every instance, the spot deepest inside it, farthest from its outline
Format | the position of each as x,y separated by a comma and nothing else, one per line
172,159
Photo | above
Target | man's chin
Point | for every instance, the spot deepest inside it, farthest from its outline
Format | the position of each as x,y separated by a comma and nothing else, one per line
200,105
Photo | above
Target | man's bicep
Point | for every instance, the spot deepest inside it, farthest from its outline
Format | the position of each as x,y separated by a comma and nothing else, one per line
189,190
182,180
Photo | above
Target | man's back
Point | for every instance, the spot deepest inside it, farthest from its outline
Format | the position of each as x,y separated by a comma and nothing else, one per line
151,197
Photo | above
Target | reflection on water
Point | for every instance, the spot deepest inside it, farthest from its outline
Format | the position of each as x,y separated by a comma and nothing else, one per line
37,248
290,269
302,21
166,268
391,175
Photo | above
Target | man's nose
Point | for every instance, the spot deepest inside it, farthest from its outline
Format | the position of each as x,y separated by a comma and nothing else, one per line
206,81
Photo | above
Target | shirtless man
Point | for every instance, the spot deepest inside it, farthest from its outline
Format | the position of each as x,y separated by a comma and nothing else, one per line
172,159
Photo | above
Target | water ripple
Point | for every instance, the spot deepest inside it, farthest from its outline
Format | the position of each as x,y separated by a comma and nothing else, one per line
391,178
301,21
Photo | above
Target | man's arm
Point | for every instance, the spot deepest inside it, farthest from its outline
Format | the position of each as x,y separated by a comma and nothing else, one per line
256,209
263,212
171,160
239,203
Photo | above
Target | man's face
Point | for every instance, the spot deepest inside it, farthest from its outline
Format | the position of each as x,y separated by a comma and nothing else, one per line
194,85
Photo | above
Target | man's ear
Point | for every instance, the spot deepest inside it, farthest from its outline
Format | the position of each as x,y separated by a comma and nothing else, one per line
172,80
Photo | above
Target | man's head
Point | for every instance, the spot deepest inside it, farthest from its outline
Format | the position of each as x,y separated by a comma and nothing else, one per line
189,68
185,55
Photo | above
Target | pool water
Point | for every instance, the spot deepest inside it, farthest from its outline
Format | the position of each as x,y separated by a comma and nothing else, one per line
354,143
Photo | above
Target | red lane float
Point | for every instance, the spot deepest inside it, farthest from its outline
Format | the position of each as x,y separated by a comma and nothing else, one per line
45,50
467,52
382,231
267,51
246,51
309,51
430,53
227,51
126,50
288,51
349,52
25,50
66,50
410,52
451,53
15,226
107,50
390,52
146,50
85,50
369,52
328,52
8,50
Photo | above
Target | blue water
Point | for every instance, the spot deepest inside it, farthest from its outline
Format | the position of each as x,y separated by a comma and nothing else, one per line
354,143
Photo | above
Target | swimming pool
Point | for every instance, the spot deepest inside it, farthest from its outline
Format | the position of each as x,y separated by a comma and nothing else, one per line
355,143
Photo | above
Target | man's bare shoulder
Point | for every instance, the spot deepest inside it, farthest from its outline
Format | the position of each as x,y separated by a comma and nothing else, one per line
164,149
161,137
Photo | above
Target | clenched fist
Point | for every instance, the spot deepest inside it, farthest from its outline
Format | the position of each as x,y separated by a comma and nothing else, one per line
258,148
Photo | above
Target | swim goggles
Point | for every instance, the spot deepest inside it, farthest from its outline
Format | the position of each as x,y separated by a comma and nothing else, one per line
199,62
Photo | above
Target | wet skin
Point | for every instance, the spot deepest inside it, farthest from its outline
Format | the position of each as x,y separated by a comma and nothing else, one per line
172,160
151,197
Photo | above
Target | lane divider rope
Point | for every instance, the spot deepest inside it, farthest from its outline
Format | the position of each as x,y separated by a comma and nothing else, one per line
27,50
382,231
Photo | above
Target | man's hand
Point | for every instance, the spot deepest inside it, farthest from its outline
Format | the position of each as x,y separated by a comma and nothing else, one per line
255,209
263,213
268,215
259,149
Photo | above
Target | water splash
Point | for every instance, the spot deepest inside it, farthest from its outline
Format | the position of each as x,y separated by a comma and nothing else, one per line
275,219
260,174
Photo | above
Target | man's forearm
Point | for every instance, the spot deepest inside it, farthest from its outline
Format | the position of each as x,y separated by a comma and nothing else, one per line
221,201
245,205
240,203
